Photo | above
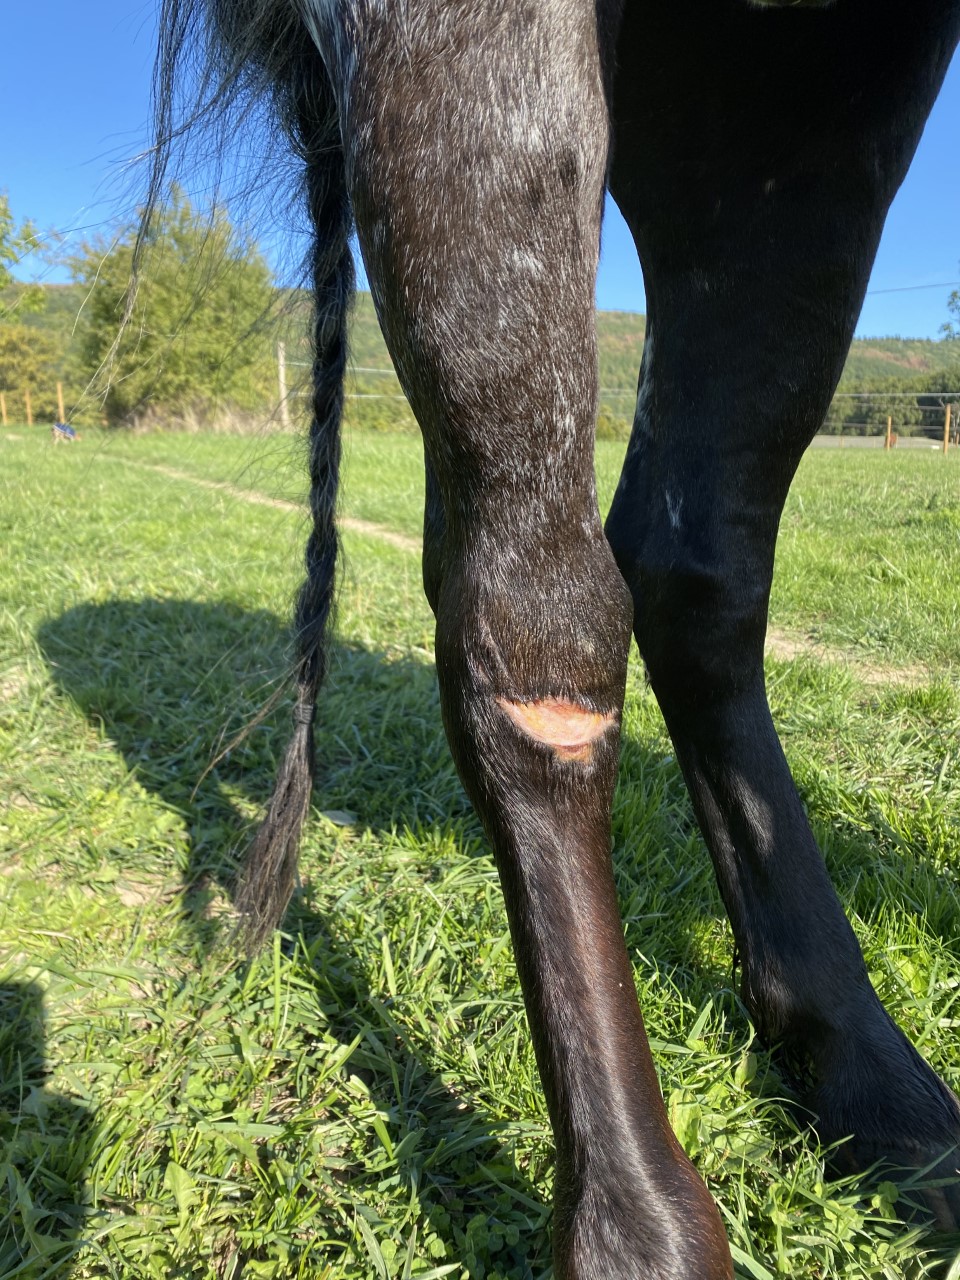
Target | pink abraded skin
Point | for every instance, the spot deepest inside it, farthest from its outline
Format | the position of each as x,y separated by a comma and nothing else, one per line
570,730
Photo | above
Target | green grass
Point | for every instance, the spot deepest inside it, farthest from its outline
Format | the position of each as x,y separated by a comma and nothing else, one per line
867,557
362,1101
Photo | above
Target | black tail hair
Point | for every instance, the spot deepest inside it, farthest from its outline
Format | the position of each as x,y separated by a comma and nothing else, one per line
259,49
270,871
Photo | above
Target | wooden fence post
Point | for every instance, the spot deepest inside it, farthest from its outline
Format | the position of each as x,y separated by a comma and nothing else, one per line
888,444
3,408
61,416
282,381
28,406
946,428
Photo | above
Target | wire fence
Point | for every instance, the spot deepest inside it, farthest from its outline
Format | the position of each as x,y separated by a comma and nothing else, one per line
855,419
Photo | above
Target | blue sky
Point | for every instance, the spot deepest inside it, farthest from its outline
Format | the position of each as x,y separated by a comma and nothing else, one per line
74,101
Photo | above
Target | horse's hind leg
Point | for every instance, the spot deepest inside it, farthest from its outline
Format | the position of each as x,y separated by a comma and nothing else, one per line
476,145
755,263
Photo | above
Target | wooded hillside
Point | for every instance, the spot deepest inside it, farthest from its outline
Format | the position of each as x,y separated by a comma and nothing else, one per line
887,366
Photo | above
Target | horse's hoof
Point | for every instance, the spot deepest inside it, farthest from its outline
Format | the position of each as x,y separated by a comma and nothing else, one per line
894,1120
927,1177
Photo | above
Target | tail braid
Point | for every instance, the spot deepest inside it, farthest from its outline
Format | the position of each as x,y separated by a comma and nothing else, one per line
269,873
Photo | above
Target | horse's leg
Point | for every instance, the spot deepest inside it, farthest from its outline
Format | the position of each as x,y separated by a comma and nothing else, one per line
476,139
757,225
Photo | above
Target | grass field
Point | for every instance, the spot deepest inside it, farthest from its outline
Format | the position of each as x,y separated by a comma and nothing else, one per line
361,1102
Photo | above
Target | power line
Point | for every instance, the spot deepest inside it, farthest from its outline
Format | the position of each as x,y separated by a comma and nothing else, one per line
911,288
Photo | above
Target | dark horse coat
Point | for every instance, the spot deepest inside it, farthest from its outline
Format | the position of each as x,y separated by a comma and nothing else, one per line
754,151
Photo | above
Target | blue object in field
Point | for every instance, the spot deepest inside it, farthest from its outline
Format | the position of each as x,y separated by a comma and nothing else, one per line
62,431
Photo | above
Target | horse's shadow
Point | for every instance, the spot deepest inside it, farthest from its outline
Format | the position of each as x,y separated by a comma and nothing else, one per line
156,676
177,684
45,1141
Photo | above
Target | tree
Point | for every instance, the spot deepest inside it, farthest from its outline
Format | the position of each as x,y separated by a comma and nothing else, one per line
27,358
952,328
15,243
194,340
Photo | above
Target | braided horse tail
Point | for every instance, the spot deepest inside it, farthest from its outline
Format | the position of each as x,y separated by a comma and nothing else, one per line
260,49
270,869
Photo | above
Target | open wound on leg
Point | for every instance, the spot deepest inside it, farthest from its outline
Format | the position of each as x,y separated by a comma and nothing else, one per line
569,729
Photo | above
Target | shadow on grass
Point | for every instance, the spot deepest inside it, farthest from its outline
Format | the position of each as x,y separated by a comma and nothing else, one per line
45,1142
170,681
167,681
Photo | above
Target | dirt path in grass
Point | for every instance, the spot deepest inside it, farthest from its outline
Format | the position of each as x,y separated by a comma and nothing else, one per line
351,523
783,645
787,646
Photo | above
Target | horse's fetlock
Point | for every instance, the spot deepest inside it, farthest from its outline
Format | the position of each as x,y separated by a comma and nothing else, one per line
624,1232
